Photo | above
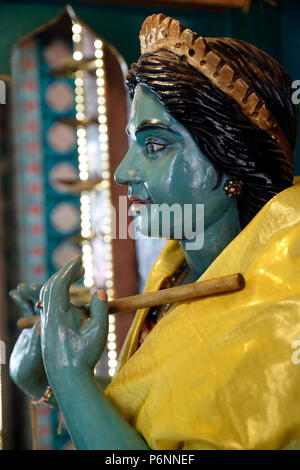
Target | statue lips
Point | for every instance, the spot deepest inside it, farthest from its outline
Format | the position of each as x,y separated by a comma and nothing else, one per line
138,203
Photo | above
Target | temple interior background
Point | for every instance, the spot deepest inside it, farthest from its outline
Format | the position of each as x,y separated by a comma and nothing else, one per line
62,135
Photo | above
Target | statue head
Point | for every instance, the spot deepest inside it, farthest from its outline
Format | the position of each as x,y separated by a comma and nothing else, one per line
232,98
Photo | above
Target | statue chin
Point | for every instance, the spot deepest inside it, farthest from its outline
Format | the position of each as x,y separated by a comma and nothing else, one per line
169,221
152,223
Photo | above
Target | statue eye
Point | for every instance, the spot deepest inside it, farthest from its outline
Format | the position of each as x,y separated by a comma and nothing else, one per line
152,147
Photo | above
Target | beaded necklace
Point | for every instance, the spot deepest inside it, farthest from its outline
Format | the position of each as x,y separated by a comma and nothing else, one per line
155,314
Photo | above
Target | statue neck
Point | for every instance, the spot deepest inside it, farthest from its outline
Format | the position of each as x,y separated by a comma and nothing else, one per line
216,237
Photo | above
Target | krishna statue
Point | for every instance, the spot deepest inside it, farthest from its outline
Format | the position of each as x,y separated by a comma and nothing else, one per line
212,122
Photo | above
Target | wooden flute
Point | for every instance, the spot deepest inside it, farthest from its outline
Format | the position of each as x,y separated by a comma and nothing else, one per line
194,290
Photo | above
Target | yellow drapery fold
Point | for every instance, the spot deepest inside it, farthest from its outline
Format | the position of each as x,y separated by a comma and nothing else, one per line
218,373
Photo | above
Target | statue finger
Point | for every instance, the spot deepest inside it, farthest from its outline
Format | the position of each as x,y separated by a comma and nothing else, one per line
71,273
26,306
98,314
55,293
46,285
79,275
32,291
54,277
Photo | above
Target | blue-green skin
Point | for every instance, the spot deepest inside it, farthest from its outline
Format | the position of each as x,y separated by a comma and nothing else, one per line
167,166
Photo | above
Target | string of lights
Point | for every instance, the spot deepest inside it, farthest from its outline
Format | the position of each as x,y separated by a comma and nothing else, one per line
85,200
104,155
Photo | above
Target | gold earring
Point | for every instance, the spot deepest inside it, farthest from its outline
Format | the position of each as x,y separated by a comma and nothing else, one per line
233,188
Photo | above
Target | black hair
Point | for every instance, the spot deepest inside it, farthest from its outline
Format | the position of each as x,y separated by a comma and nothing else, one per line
224,134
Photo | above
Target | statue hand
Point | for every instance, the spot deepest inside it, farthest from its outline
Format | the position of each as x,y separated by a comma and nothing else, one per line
68,343
26,362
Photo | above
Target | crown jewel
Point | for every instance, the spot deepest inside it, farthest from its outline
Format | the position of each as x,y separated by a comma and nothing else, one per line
160,32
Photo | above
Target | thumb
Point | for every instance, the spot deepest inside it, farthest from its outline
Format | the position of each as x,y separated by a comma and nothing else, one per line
98,314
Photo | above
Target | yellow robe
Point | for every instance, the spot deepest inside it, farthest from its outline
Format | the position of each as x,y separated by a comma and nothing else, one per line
221,372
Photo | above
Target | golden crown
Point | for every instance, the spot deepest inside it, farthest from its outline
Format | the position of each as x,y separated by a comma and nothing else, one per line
161,32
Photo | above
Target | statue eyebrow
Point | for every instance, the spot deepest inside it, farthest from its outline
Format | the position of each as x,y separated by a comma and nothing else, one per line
151,124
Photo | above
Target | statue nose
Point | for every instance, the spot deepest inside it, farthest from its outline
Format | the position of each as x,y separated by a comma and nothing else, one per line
128,172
